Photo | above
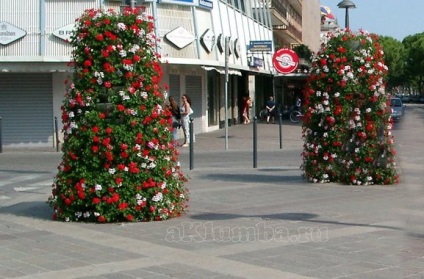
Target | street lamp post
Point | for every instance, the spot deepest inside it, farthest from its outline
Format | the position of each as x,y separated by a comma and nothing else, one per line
346,4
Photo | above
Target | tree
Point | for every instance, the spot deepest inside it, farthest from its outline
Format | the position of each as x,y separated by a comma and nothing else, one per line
414,67
395,57
119,162
304,52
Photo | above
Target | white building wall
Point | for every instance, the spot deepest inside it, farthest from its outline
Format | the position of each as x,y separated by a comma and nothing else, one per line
41,51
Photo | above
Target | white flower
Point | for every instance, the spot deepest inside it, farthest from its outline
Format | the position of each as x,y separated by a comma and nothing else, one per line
151,165
112,171
73,125
86,214
158,197
98,187
122,26
134,48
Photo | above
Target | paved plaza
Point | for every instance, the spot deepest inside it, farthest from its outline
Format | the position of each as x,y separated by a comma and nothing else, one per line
242,222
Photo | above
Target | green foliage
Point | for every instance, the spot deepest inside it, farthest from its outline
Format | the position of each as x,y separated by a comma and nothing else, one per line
119,162
414,46
303,51
347,117
395,57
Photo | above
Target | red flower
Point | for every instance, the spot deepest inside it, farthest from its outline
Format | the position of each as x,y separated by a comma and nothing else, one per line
99,37
96,200
68,201
122,206
108,130
119,180
105,53
87,63
115,197
106,141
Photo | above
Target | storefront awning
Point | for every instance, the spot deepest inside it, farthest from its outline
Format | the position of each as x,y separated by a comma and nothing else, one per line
222,70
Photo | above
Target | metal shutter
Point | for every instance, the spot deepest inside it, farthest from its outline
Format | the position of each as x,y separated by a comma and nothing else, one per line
194,91
174,87
26,109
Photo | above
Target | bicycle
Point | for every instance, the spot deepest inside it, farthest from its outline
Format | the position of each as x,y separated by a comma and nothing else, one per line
262,114
296,116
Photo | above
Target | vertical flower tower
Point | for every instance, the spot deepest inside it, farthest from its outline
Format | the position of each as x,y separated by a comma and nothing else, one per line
119,162
347,126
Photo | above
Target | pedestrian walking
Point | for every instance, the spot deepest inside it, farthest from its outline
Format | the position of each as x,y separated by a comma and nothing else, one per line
176,117
247,103
186,111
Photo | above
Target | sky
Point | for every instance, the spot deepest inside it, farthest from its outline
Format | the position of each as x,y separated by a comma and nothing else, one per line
394,18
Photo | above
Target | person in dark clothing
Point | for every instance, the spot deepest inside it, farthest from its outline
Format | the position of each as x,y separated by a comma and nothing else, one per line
271,109
176,117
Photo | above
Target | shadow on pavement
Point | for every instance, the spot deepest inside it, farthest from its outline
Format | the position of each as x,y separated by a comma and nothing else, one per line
279,216
293,216
255,178
33,209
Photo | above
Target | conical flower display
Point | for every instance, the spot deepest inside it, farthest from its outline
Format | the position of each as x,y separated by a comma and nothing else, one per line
347,126
119,162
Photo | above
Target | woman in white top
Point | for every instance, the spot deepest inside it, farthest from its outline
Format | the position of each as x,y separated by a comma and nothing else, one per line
185,111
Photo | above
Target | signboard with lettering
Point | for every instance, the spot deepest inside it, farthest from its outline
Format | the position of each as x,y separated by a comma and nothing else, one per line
208,40
180,37
207,4
285,60
258,46
65,32
10,33
179,2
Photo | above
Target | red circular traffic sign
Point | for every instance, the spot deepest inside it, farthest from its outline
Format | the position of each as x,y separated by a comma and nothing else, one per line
285,60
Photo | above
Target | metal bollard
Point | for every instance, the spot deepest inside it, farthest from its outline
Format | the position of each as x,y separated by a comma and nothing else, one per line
255,143
56,133
1,141
191,145
280,123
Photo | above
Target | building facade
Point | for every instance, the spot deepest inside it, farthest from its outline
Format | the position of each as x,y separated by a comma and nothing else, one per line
209,50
